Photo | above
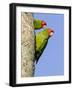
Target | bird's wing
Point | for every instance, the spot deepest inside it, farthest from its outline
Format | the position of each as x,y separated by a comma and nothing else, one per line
40,50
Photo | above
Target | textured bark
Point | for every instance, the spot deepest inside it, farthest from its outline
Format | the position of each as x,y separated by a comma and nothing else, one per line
27,45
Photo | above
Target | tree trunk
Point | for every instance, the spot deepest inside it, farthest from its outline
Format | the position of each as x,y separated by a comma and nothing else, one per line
27,45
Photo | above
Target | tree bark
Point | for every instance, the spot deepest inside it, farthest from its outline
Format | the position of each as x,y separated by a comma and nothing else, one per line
27,45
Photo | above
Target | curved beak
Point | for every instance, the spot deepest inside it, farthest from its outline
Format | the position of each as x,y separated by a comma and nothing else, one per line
44,24
50,32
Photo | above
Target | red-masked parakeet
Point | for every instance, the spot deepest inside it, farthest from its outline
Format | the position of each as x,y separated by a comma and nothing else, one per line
41,41
39,24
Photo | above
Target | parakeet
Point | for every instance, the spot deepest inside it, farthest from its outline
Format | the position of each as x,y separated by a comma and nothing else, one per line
41,41
39,24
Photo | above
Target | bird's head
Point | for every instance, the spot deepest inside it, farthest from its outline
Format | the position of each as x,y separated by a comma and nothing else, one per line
43,23
50,32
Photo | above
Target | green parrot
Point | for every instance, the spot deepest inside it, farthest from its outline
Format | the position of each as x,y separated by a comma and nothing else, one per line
41,41
39,24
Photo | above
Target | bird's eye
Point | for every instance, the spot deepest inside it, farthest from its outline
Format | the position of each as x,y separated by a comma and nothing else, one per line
44,24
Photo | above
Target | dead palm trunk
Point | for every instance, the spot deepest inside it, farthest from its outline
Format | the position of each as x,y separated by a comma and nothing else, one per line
27,45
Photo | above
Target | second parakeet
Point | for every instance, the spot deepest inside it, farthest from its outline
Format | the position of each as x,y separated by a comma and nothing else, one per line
39,24
41,41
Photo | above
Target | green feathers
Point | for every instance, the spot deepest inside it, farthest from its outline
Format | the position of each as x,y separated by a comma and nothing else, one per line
41,42
41,38
39,24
